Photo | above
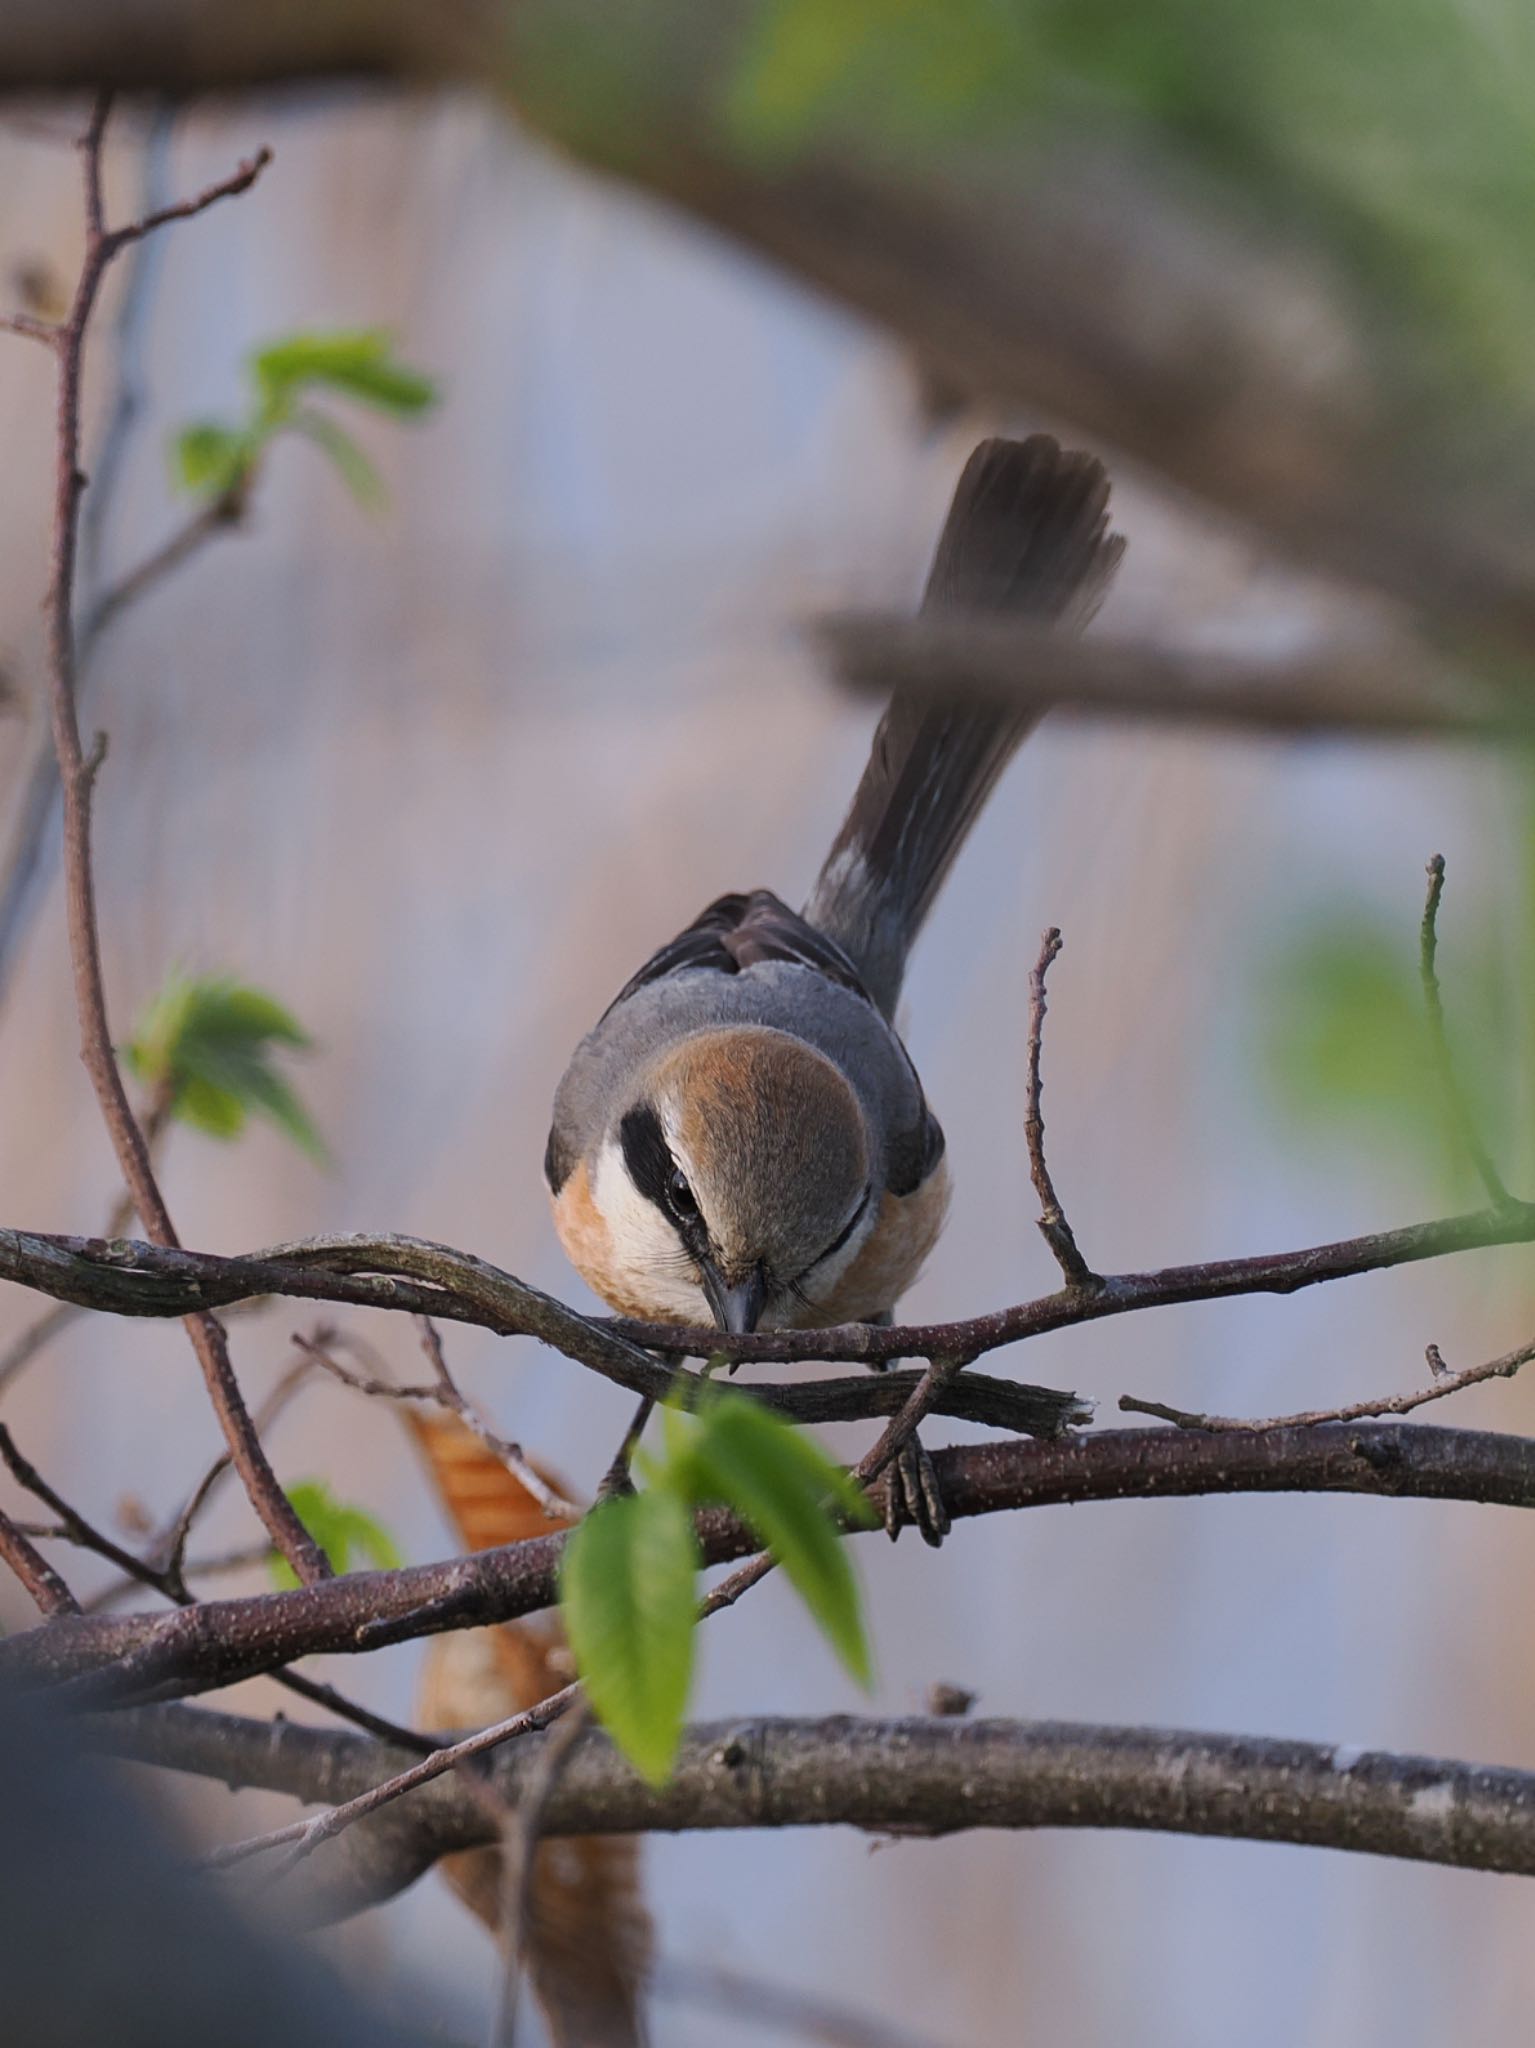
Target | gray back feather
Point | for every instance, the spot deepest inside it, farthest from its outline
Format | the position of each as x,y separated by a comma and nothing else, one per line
1027,534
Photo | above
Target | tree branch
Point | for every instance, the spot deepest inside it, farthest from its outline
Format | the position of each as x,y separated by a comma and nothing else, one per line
913,1776
1393,692
77,773
1054,1228
415,1276
117,1659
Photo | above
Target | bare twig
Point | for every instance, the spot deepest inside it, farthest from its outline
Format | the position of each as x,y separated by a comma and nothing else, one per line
1054,1228
1454,1095
77,774
1445,1384
443,1392
48,1590
304,1837
75,1528
519,1862
37,1336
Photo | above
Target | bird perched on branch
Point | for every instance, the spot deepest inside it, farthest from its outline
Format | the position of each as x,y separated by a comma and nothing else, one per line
743,1139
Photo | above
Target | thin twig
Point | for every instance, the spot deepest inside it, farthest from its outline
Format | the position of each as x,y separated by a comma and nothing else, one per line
75,1528
77,775
48,1590
46,331
305,1836
1449,1084
37,1336
1445,1384
443,1392
1054,1228
519,1863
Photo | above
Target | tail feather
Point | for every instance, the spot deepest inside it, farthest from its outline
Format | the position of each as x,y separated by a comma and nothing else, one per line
1027,534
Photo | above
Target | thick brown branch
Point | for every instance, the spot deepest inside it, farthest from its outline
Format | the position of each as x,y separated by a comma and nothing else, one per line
135,1657
924,1776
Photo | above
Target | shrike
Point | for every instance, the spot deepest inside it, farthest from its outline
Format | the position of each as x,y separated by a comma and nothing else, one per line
743,1140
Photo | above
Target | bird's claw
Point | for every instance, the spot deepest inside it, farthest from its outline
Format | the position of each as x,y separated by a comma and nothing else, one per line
913,1495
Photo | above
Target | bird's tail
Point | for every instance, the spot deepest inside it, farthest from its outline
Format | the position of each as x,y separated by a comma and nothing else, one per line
1027,535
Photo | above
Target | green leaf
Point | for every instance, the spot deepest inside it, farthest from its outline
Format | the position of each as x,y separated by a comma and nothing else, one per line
352,465
341,1528
361,362
211,1040
628,1583
210,459
778,1479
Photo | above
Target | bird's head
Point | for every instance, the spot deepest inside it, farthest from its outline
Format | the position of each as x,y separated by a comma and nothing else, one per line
737,1182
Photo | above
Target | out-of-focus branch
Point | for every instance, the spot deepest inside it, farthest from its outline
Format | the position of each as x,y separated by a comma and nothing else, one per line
1032,260
120,1658
1389,692
916,1776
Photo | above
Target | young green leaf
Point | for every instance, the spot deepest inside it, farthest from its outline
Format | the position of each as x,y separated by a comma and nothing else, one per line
210,1041
342,1530
360,362
349,461
628,1587
209,458
778,1479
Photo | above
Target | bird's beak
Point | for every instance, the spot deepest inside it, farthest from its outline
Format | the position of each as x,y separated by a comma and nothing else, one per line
737,1308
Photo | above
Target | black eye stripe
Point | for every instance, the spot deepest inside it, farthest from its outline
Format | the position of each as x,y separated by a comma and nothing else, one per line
646,1153
844,1233
653,1170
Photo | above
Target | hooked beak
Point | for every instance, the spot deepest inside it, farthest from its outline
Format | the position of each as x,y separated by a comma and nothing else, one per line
737,1309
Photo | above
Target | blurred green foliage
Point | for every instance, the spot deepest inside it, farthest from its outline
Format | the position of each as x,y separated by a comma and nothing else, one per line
629,1576
1346,1041
211,1044
342,1530
219,459
1399,134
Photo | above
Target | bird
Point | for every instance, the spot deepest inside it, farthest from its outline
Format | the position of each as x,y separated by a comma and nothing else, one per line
742,1140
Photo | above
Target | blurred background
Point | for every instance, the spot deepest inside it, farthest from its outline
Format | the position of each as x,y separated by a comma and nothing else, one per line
440,775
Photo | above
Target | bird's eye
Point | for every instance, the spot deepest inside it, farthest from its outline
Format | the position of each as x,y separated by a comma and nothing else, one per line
680,1195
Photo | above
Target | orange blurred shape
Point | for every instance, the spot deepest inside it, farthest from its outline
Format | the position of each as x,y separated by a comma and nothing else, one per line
590,1939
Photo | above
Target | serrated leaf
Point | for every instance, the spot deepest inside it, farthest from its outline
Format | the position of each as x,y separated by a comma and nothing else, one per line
361,362
778,1479
211,1041
210,458
341,1528
351,464
628,1585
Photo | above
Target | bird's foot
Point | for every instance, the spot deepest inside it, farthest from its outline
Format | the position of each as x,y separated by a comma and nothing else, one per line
913,1495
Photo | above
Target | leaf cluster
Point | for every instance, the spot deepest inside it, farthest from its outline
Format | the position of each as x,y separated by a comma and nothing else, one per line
218,459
